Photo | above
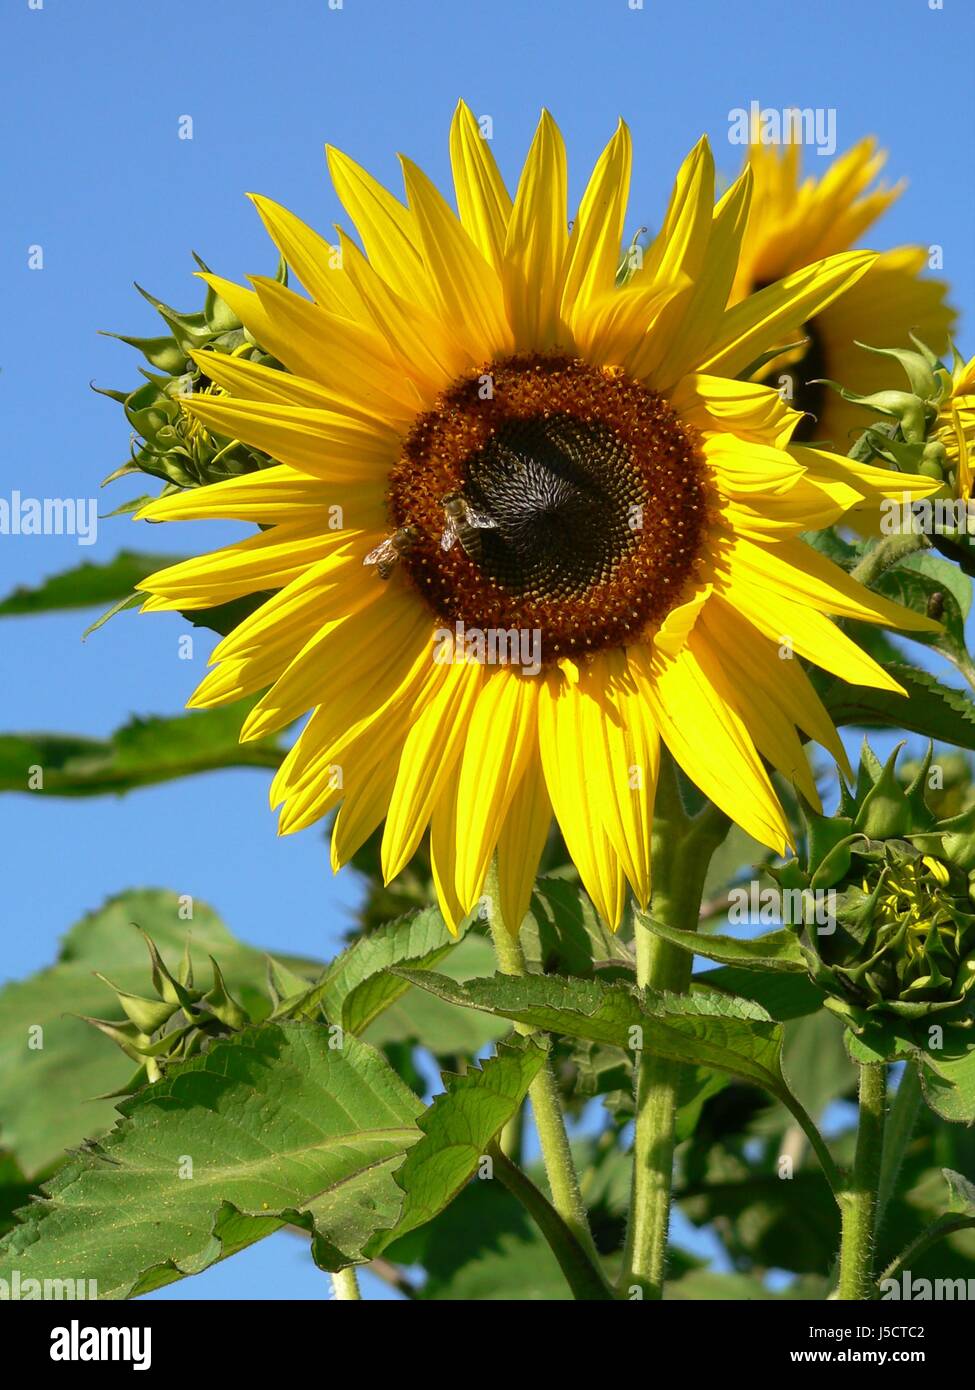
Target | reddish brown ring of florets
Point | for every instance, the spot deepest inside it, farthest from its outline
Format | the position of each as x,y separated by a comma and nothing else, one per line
597,494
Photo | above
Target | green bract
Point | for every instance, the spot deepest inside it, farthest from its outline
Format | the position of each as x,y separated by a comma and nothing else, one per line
166,443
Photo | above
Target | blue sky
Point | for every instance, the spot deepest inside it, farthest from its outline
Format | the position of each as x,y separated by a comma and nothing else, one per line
96,174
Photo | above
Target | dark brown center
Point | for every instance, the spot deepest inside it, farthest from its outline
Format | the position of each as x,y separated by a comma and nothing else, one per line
544,493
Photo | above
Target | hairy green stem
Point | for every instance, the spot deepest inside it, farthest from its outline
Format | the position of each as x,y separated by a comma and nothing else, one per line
584,1276
942,1228
858,1203
887,553
682,848
345,1285
543,1092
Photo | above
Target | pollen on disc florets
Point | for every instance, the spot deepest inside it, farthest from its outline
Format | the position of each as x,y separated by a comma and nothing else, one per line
588,496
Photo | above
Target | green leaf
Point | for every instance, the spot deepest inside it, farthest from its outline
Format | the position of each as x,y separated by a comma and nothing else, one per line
357,987
929,584
562,933
457,1129
949,1085
484,1246
961,1193
142,753
937,711
281,1126
52,1064
781,1223
778,950
87,584
15,1190
783,995
732,1035
957,1221
419,1019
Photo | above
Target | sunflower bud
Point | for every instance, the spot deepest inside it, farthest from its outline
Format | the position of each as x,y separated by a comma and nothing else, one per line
167,443
904,942
178,1023
900,945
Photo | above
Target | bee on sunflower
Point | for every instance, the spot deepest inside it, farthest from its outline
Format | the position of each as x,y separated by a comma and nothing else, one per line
794,221
479,427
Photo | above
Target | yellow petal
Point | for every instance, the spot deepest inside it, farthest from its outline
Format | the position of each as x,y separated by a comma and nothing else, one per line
270,384
466,288
597,232
317,264
700,319
276,495
521,843
501,735
267,561
324,443
697,720
796,627
623,754
355,356
396,639
385,227
536,244
483,202
569,778
432,747
760,705
746,410
768,317
795,570
425,350
443,853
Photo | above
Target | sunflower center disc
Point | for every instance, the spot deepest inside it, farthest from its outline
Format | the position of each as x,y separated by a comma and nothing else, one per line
578,501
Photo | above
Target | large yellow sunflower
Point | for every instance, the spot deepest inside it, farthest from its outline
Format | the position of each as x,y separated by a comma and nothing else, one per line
477,428
794,222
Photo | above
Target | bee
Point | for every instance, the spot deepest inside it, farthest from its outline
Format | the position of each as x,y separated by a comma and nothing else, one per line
389,552
463,523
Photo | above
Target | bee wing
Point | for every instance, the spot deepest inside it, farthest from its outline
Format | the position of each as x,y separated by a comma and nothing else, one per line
449,535
382,550
482,522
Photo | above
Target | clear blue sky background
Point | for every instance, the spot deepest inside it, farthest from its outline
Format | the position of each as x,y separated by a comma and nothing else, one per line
94,172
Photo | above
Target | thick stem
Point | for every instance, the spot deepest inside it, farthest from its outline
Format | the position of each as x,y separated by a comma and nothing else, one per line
887,553
585,1276
858,1204
345,1285
543,1092
682,849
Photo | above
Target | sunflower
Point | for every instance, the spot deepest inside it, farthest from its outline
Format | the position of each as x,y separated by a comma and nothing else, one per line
479,434
955,426
793,223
